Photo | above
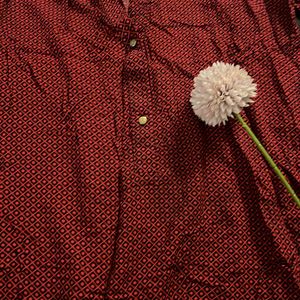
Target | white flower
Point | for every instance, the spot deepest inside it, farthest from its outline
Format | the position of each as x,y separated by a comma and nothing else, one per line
221,90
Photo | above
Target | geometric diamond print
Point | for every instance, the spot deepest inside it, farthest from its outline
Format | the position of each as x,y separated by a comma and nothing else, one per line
95,205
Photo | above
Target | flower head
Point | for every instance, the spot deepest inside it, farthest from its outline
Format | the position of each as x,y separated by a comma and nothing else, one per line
221,90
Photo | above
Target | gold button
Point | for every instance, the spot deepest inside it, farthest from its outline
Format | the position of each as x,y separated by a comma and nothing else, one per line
143,120
132,43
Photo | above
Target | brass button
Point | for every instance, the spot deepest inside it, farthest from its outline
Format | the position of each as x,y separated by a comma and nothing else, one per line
143,120
132,43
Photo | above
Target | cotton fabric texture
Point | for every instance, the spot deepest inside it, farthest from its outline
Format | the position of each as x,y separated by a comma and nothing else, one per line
97,206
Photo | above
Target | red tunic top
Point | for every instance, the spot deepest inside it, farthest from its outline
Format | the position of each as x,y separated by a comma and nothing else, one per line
111,187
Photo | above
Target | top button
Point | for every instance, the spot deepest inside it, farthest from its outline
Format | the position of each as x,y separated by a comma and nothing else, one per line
133,43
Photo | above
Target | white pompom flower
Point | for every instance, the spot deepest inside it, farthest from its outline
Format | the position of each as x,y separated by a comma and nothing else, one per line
221,90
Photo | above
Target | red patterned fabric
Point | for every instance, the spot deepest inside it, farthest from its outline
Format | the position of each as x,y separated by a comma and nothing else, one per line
97,206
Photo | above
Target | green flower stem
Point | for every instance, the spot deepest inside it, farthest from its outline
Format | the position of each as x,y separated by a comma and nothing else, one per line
268,158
